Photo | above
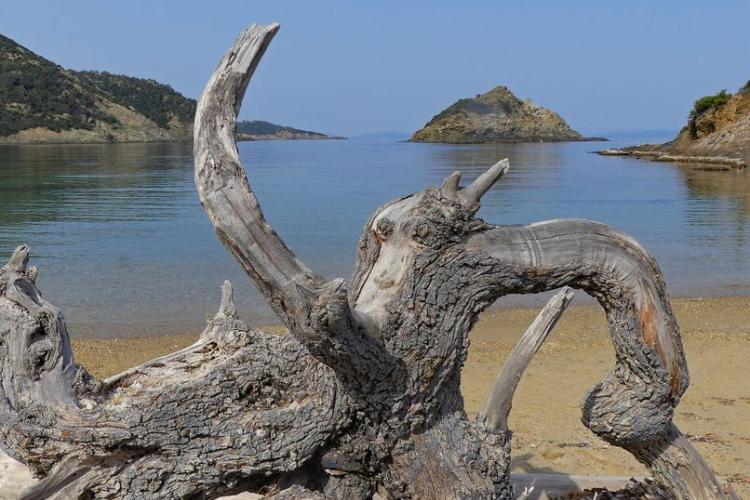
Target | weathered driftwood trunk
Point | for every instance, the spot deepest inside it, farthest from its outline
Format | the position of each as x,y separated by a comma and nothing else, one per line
364,392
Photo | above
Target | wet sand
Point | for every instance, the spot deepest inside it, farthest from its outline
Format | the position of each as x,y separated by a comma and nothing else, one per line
548,434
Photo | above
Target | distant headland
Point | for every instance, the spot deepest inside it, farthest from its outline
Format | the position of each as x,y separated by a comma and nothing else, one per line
258,130
717,133
496,116
42,102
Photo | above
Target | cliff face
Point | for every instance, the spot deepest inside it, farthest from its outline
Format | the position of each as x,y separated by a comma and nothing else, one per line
41,102
722,130
497,116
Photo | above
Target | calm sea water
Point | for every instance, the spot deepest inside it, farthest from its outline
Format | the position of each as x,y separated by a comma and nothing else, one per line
125,249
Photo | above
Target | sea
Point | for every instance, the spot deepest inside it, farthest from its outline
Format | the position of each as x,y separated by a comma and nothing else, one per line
124,248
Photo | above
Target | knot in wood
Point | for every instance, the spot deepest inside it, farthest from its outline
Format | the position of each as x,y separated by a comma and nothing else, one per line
384,228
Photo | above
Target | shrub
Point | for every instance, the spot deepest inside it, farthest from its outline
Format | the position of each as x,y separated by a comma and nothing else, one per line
709,102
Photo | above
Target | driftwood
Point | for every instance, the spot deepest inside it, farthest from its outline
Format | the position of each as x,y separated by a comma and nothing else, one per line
363,394
500,401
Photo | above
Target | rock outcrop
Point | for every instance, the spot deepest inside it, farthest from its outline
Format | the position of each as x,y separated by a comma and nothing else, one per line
497,116
717,133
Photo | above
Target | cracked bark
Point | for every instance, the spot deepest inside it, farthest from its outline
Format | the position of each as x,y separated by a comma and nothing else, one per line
363,395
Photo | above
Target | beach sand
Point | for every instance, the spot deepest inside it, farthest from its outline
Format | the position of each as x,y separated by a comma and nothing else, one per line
548,435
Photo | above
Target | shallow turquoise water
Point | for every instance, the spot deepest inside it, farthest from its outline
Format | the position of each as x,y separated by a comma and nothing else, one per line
124,247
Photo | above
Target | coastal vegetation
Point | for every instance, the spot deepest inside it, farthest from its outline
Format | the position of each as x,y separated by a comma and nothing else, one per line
709,102
35,92
156,101
716,136
42,102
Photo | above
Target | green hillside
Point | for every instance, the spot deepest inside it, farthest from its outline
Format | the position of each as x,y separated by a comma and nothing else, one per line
42,102
156,101
37,93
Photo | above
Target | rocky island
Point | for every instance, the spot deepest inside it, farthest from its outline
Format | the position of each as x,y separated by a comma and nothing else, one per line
717,134
42,102
497,116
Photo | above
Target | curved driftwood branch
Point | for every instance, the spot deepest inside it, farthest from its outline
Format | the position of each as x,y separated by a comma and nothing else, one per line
314,310
499,403
633,406
225,192
364,394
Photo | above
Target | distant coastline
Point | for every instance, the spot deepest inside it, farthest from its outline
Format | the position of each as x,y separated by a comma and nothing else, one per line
44,103
240,138
48,137
258,130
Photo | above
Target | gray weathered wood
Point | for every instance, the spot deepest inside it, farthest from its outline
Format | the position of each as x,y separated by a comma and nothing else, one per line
499,403
364,394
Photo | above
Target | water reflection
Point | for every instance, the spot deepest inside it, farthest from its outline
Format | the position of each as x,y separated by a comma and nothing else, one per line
732,186
124,246
88,182
717,216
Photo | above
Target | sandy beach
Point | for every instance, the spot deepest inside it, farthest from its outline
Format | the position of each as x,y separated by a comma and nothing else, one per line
548,435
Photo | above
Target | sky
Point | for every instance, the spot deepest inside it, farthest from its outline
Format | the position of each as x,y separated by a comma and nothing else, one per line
360,67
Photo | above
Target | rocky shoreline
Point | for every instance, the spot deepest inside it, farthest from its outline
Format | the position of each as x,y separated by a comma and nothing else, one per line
717,135
73,137
709,162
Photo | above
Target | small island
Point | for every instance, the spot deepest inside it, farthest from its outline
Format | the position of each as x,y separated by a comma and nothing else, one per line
717,135
496,116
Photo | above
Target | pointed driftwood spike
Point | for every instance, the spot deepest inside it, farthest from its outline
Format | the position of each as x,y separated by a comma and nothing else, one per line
19,259
450,184
497,409
32,273
227,308
484,182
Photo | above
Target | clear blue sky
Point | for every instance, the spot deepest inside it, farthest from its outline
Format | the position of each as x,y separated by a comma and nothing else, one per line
355,67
